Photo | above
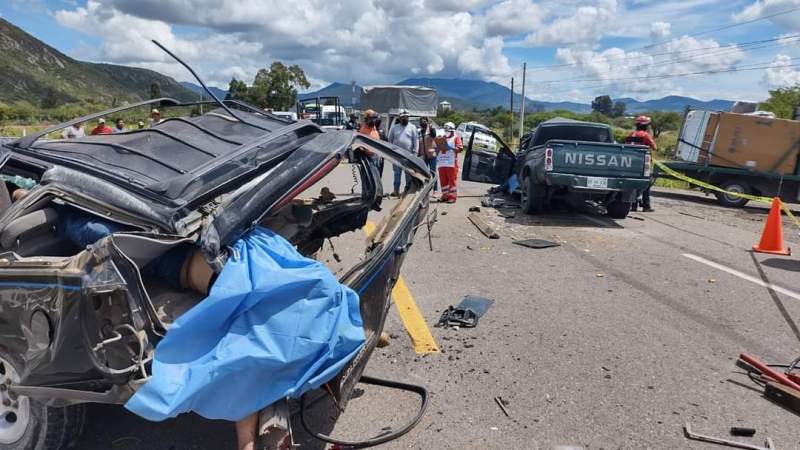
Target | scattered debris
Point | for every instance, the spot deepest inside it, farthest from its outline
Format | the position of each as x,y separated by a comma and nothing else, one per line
484,227
783,395
637,218
691,215
492,202
537,243
502,404
474,209
601,275
715,440
444,213
743,431
465,314
507,215
383,340
712,280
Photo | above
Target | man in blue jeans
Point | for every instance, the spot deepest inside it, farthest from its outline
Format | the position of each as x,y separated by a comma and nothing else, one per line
404,135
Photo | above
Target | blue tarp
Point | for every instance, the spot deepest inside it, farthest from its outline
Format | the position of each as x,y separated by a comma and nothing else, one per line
275,324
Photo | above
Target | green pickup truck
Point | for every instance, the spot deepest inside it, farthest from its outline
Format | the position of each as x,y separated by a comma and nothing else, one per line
565,159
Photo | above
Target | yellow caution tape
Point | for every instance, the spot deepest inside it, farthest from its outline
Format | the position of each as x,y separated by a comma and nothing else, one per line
711,187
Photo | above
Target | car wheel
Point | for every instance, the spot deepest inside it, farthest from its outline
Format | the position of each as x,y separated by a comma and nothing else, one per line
618,209
26,424
731,200
530,204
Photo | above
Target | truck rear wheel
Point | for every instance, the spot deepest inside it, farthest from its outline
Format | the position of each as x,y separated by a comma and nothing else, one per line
618,209
26,424
529,203
729,200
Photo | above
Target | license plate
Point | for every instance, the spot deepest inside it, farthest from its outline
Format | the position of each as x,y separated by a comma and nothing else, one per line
596,182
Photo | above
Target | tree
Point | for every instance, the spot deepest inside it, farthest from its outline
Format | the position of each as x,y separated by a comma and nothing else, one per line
618,110
155,90
237,90
603,105
782,102
276,87
664,121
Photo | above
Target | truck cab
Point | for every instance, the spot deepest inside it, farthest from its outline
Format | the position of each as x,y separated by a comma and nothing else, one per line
564,159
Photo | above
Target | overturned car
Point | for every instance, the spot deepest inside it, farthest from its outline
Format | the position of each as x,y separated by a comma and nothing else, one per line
80,323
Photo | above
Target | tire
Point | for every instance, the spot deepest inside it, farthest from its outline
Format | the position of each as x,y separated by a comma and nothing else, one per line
530,205
729,200
27,424
618,209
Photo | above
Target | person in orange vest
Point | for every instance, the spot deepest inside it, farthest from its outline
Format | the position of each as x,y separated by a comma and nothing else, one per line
102,128
447,149
641,137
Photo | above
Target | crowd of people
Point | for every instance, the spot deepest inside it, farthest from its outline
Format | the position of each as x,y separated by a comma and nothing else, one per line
76,130
439,149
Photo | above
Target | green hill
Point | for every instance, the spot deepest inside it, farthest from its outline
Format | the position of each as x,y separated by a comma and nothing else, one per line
32,71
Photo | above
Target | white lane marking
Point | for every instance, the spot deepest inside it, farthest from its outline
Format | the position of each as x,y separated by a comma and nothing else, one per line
743,276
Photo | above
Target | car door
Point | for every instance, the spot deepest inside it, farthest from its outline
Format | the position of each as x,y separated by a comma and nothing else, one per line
487,164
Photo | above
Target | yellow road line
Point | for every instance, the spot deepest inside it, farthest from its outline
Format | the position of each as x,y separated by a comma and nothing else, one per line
412,318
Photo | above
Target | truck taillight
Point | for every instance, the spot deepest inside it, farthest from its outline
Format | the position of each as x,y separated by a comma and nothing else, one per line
548,160
648,163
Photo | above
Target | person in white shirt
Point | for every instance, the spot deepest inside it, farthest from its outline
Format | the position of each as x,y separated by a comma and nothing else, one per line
404,135
73,131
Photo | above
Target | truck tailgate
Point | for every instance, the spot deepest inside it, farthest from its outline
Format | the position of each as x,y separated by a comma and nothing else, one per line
598,159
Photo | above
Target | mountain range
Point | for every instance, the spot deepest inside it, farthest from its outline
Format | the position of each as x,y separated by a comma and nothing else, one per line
477,94
32,71
197,89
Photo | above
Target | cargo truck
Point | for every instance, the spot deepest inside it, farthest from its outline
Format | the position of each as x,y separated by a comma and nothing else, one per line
741,153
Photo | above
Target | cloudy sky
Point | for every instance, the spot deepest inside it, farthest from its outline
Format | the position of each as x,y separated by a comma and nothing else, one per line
575,50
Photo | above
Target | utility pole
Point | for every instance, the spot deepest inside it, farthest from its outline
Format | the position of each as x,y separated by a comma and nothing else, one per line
511,126
522,107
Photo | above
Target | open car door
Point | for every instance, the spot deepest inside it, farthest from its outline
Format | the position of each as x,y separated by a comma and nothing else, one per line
487,162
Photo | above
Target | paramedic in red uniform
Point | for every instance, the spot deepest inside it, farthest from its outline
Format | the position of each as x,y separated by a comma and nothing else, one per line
642,137
448,149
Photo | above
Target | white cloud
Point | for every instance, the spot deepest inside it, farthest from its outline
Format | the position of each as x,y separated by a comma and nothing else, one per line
763,8
782,74
372,41
584,27
618,71
660,30
512,17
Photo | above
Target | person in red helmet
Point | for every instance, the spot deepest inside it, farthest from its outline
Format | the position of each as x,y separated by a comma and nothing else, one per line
641,137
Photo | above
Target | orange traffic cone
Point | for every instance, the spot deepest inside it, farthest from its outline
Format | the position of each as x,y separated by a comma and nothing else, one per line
772,237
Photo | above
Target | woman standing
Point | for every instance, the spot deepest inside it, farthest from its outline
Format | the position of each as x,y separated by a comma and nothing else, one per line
427,148
448,147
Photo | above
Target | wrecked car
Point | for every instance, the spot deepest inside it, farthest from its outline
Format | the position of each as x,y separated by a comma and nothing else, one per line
80,324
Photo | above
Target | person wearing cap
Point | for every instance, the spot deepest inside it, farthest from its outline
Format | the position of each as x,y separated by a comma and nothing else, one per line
447,149
640,136
155,117
404,135
102,128
140,124
73,131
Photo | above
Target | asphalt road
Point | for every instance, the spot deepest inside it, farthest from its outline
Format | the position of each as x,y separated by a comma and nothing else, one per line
614,339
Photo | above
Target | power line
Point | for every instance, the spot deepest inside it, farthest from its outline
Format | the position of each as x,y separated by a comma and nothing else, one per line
718,52
554,66
750,67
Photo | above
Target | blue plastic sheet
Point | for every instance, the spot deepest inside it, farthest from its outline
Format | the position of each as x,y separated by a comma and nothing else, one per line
275,324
